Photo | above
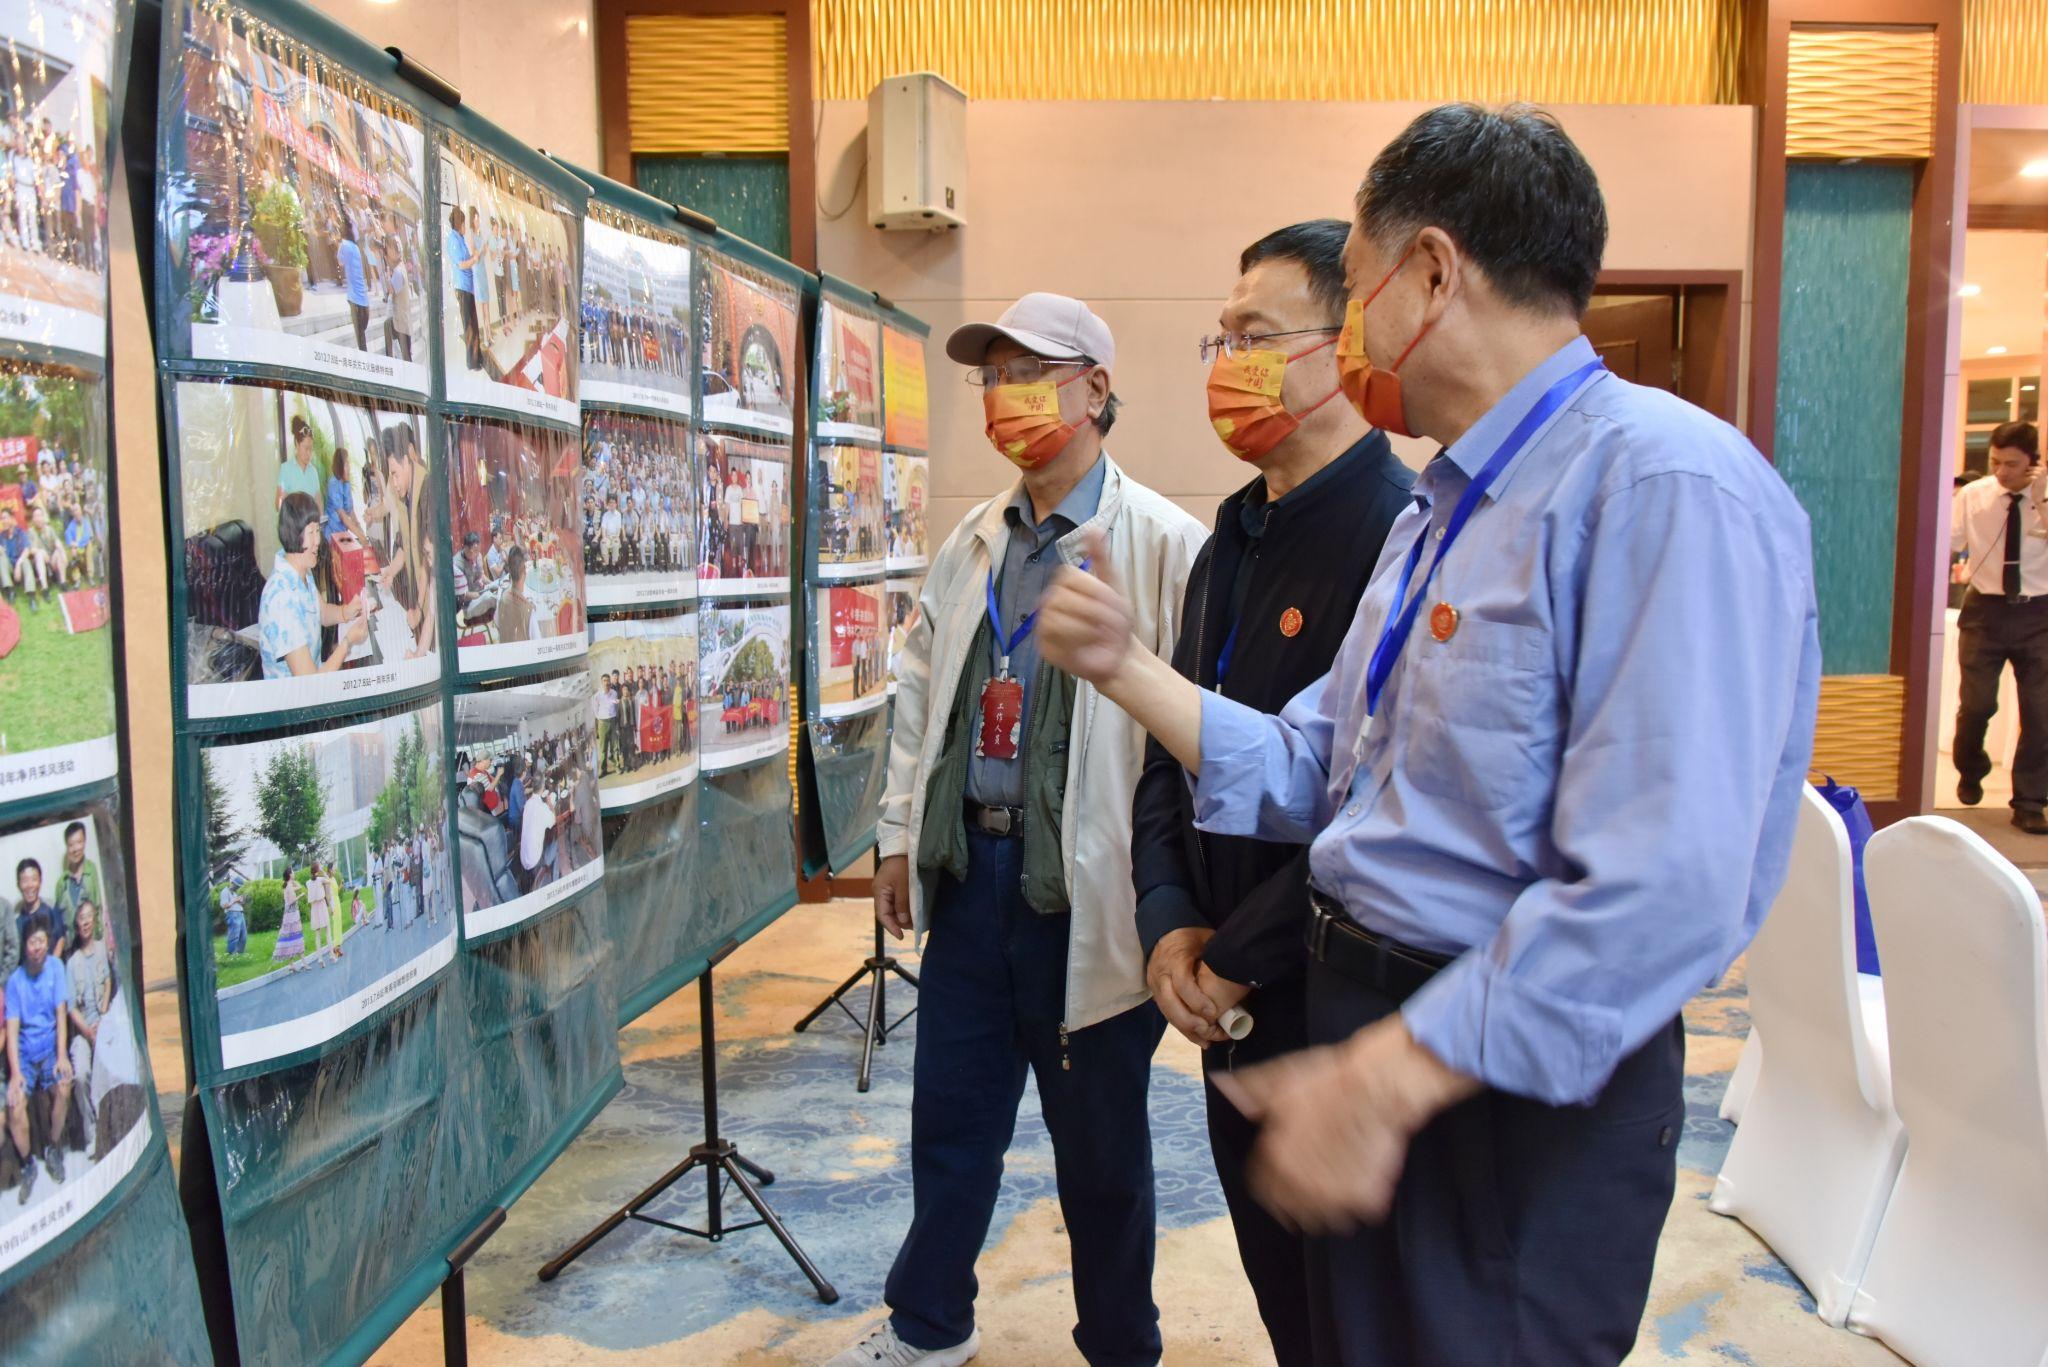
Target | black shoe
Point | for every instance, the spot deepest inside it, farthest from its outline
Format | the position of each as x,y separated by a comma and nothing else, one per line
2033,823
53,1156
1970,791
28,1178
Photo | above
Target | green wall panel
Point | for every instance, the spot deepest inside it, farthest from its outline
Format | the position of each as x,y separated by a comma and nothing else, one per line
749,196
1841,391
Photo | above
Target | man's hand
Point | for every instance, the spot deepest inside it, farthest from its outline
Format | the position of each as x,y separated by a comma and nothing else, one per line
63,1069
1084,624
1223,992
892,894
1171,976
1335,1123
16,1090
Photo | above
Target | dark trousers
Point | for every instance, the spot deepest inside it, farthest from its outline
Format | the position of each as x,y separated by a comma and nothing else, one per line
1993,633
1522,1235
1274,1256
992,991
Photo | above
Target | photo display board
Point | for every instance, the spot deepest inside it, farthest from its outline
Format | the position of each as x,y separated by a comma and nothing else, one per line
393,929
868,533
94,1254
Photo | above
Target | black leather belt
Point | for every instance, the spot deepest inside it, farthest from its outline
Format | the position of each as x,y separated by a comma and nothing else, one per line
1376,961
2017,600
1003,821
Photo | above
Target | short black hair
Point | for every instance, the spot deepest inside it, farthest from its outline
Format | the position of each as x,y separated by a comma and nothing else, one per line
78,826
294,515
1508,186
25,865
2018,436
1318,245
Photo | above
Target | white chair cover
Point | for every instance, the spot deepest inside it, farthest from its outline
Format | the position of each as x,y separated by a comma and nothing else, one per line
1959,1273
1742,1081
1818,1149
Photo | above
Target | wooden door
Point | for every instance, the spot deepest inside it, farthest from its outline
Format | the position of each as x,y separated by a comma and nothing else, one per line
1637,337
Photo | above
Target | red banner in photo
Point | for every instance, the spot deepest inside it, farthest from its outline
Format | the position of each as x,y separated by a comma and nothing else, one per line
656,731
854,615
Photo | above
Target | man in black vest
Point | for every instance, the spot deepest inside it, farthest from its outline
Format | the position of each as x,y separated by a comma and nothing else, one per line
1269,601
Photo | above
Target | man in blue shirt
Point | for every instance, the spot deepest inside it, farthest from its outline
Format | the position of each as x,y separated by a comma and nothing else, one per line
460,262
38,1056
1549,781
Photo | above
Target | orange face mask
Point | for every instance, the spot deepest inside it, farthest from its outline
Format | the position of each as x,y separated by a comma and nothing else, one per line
1024,421
1375,393
1244,401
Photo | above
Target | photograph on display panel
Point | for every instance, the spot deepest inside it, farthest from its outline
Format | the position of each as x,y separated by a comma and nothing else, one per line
749,349
849,373
906,491
508,287
745,518
514,500
56,636
310,574
639,511
851,511
744,688
329,887
902,607
906,404
293,208
526,803
853,658
636,313
53,171
643,677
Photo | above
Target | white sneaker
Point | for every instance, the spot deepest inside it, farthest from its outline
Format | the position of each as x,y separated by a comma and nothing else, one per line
882,1348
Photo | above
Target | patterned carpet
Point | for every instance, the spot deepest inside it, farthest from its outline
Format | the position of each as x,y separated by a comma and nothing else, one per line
646,1295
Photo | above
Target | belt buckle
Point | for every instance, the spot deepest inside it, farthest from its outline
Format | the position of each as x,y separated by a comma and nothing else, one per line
2020,599
1319,919
995,820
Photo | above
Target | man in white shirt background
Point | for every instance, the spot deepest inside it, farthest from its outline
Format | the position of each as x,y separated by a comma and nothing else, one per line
1999,534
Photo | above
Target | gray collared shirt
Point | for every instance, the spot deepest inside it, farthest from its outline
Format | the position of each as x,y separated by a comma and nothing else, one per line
1029,559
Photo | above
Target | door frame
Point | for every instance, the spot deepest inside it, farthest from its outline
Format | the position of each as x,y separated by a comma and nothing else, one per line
1725,397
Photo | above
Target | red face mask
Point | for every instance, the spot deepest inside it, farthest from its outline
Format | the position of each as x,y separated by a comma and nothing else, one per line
1024,420
1375,393
1244,401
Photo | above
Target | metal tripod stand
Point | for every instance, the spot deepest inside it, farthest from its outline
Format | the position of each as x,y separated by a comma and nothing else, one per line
877,1028
722,1163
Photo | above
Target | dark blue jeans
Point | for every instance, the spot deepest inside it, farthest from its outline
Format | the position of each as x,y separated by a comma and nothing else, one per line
993,989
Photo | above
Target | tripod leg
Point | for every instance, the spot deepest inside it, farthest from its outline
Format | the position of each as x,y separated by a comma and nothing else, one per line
837,993
881,1003
761,1174
825,1290
553,1269
867,1046
900,971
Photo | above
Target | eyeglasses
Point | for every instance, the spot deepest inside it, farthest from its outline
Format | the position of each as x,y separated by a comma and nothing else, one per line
1023,370
1230,343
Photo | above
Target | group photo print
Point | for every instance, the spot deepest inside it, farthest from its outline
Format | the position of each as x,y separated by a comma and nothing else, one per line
749,331
509,297
294,211
746,516
849,371
902,606
643,679
53,172
639,510
743,694
853,652
74,1061
56,634
526,802
514,512
906,493
636,313
310,559
328,888
851,510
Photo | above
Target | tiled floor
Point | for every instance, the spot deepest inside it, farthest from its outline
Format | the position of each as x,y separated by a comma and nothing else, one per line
647,1296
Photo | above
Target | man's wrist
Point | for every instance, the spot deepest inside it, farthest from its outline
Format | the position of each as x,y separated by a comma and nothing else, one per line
1403,1076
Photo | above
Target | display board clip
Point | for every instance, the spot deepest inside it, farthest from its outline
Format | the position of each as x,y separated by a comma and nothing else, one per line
426,78
882,301
703,223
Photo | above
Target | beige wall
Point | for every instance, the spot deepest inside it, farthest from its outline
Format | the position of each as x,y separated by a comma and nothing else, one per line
531,66
1142,207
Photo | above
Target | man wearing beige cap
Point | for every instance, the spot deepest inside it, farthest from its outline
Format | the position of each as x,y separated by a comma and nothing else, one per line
1005,839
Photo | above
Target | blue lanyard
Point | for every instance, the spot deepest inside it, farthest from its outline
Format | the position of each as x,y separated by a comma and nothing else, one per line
1394,635
1224,655
1007,645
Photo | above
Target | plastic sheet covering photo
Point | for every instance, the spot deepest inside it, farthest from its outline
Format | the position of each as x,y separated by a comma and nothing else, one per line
94,1260
636,311
651,888
746,859
849,767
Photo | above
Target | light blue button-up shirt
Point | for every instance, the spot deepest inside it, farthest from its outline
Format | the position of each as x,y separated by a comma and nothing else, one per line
1588,792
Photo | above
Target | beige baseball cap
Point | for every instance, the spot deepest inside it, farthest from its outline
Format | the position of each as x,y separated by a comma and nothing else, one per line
1048,325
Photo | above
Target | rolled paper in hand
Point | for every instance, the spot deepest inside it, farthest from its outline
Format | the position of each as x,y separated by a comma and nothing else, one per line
1235,1022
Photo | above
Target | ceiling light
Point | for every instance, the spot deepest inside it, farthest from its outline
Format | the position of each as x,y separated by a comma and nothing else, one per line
1969,291
2026,389
2036,169
1994,351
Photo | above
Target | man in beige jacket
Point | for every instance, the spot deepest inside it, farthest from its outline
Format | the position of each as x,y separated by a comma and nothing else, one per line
1006,840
